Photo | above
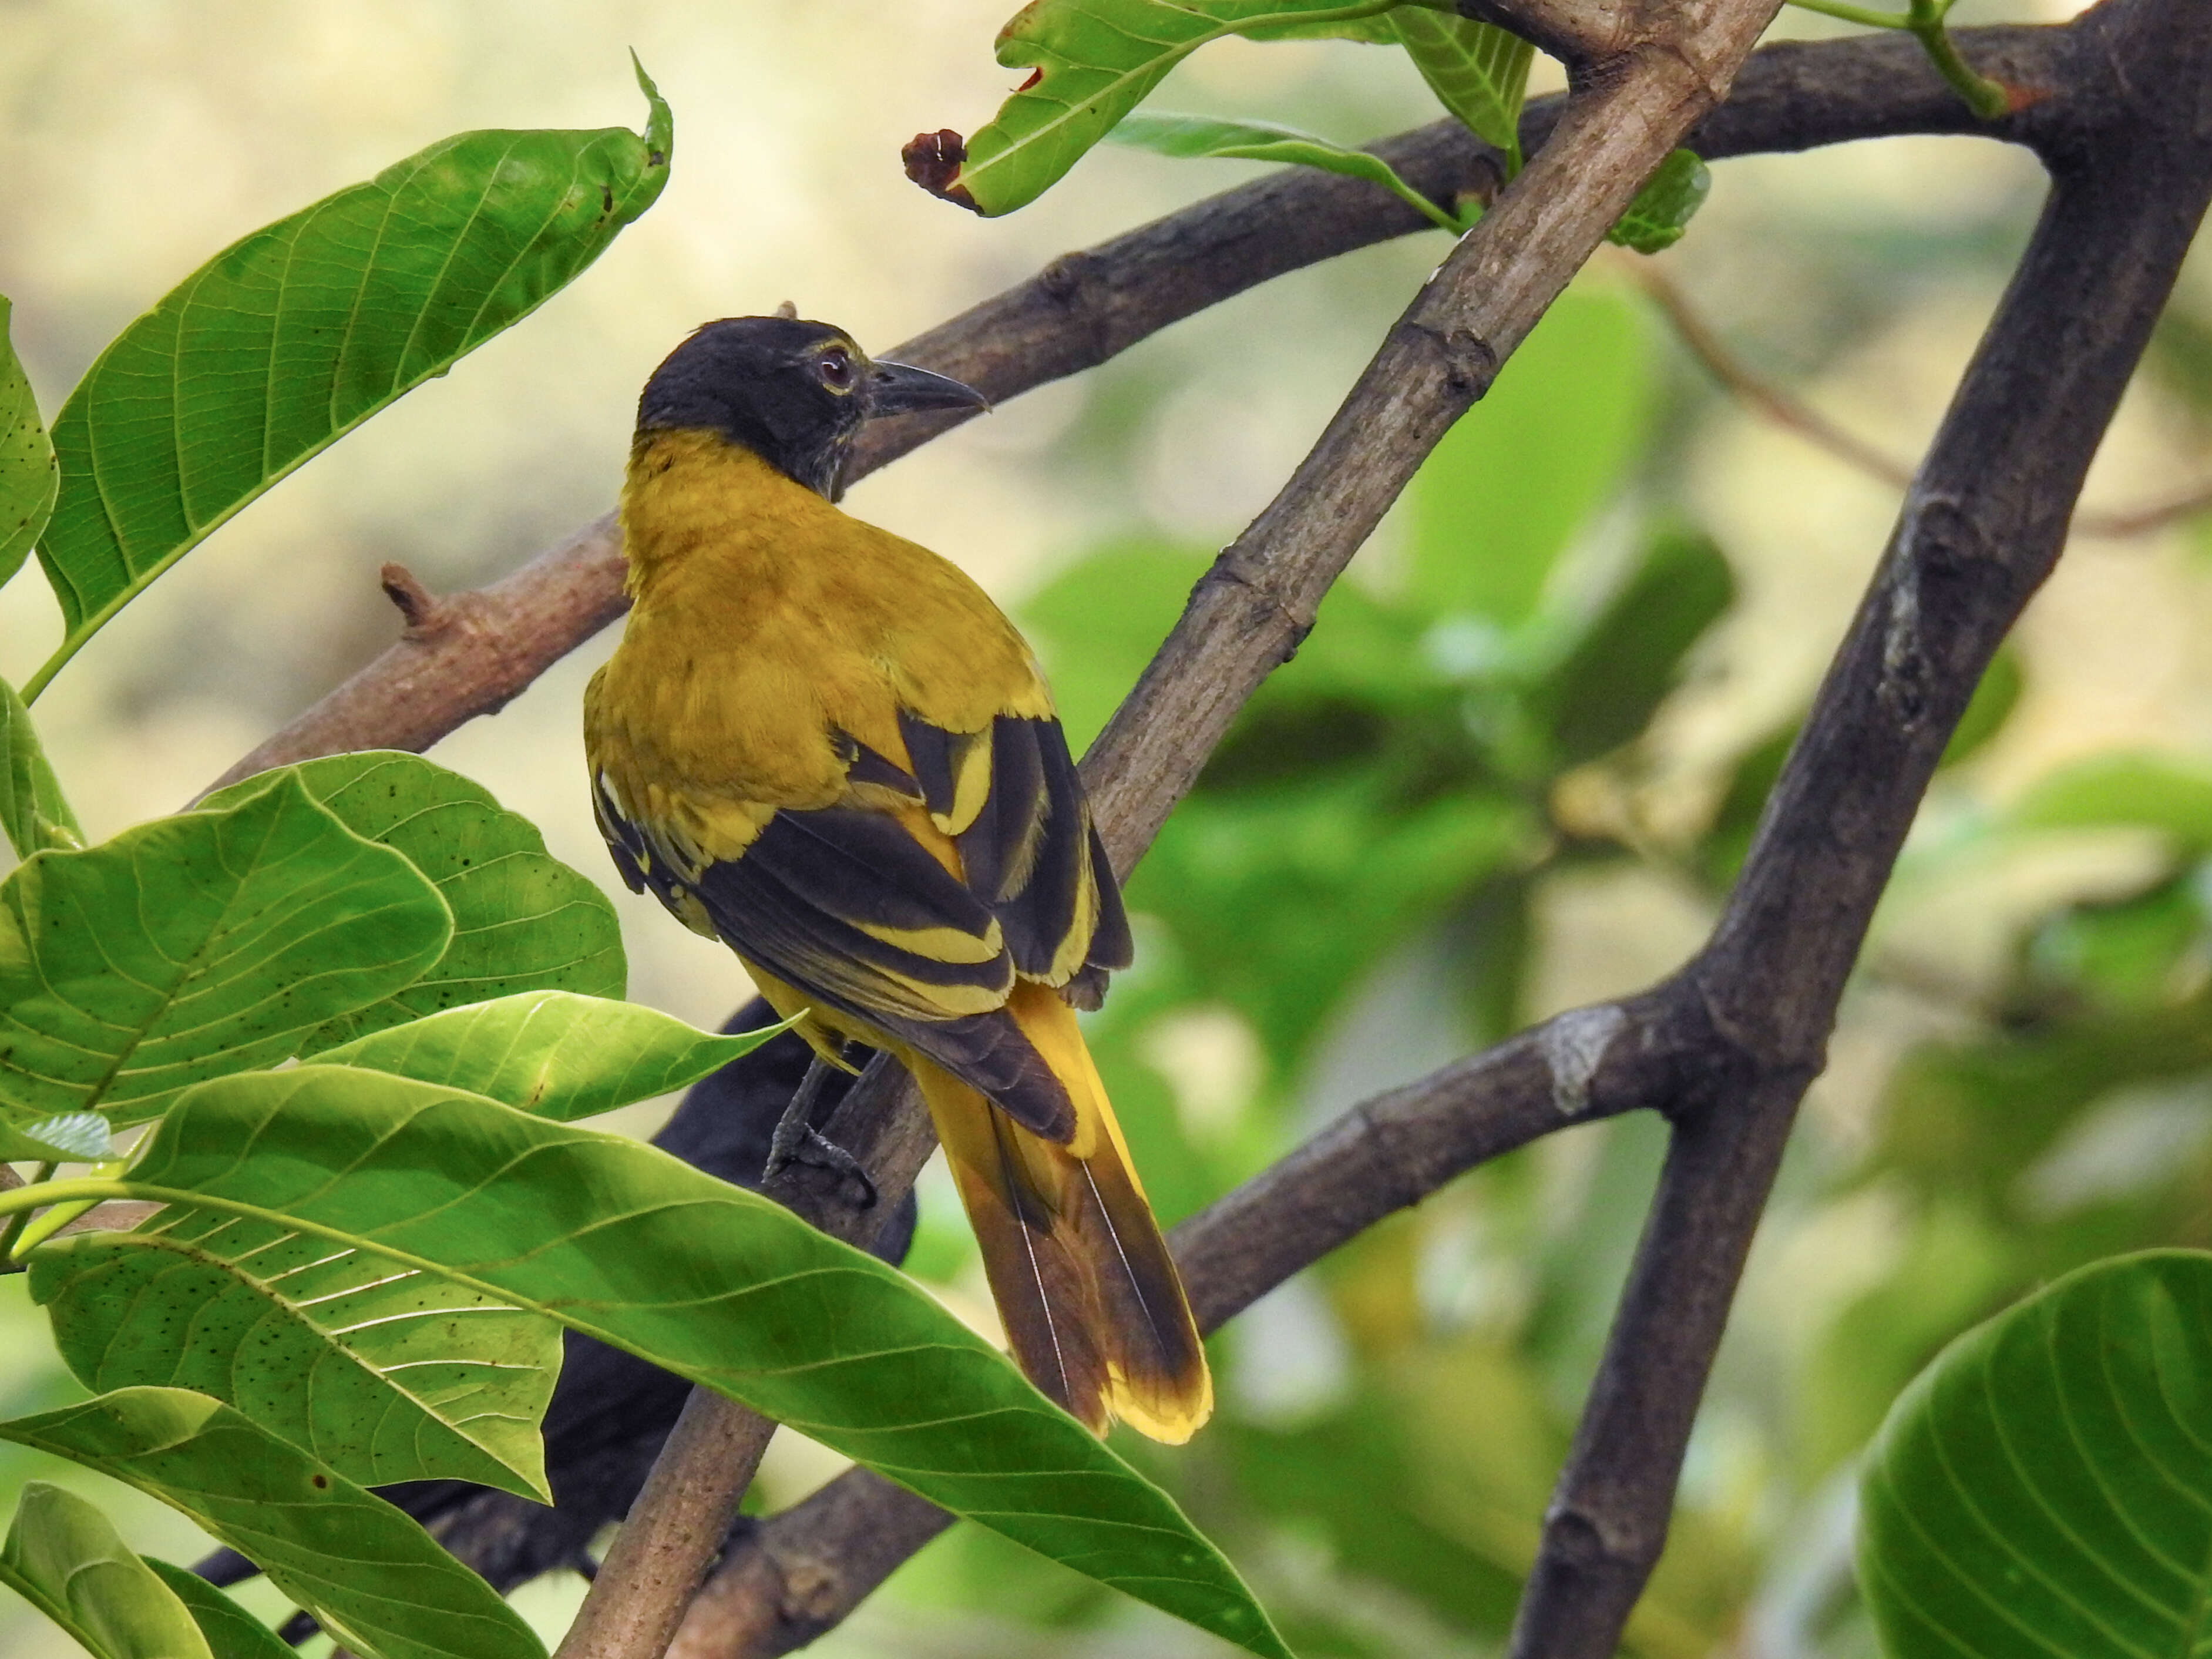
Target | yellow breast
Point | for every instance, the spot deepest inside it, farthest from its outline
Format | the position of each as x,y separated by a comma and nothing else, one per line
764,621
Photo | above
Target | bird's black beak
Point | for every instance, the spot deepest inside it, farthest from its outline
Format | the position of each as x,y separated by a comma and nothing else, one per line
902,389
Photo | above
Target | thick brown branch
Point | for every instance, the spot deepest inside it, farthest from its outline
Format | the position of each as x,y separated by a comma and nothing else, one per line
1982,527
1086,308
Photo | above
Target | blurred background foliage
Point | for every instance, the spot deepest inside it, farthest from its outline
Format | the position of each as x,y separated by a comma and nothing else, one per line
1511,770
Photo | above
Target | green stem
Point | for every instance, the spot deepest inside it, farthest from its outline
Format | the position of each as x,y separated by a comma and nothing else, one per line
1436,215
1985,97
52,666
15,1224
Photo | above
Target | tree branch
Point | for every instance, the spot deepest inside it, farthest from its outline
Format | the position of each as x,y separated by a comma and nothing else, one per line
1250,610
1087,308
1246,616
1981,529
1785,410
803,1570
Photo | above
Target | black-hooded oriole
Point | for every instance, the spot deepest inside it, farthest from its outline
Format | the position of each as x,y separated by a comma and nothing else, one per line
826,747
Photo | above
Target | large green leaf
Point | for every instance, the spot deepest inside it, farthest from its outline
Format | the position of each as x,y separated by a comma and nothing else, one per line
294,335
64,1557
2045,1485
29,475
1500,497
552,1052
231,1632
628,1244
1478,70
367,1573
523,920
194,946
32,812
1200,137
1096,61
384,1375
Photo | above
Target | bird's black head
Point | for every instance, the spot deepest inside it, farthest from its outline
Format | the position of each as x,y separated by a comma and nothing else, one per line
793,392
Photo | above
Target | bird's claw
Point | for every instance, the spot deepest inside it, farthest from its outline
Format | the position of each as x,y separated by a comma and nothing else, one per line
802,1143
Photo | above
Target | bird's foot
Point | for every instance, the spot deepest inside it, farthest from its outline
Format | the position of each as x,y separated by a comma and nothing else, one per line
796,1140
808,1146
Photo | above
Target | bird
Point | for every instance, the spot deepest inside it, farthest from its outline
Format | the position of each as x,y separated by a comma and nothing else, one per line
824,746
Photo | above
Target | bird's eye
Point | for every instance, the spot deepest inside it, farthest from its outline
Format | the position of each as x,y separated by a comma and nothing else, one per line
835,369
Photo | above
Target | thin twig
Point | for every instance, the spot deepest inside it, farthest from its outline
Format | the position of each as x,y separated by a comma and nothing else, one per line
1788,411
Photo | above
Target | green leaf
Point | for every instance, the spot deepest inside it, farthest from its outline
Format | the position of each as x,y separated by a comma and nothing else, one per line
71,1137
1662,209
1281,896
550,1053
2169,793
370,1575
628,1244
2124,953
1371,31
385,1375
1200,137
1478,70
28,473
1727,838
194,946
292,337
2045,1485
1501,496
523,920
1096,61
32,812
1099,622
63,1557
1995,695
231,1632
1605,690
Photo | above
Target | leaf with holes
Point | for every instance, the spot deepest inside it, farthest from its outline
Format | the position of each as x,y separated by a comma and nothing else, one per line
623,1242
294,335
523,920
550,1053
1477,70
63,1555
2045,1485
1095,60
384,1372
194,946
1207,137
32,812
29,475
371,1576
